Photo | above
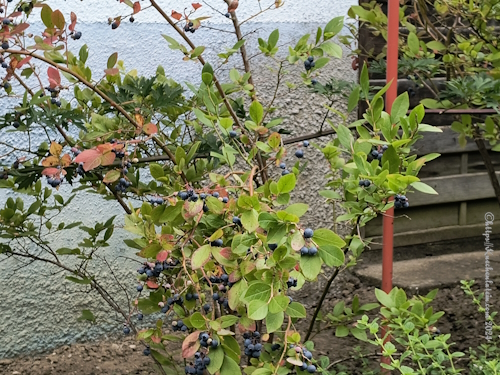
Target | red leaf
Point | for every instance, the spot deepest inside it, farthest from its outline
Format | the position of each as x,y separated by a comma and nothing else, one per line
162,256
190,345
152,285
176,15
225,252
73,22
150,129
232,7
196,5
90,158
23,61
19,28
156,339
54,77
50,171
137,7
15,14
112,71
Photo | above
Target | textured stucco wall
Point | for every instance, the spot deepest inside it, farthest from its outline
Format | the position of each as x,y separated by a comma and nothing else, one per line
38,310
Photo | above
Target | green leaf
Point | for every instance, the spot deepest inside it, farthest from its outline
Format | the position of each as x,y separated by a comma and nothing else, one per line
400,107
258,291
231,348
78,281
345,136
333,256
216,359
330,194
332,49
273,39
296,310
112,60
436,45
333,27
67,251
384,298
156,170
230,367
257,309
278,303
197,320
413,43
287,183
201,256
390,155
424,188
341,331
297,209
429,128
274,321
256,112
46,15
353,99
360,334
310,266
326,237
250,220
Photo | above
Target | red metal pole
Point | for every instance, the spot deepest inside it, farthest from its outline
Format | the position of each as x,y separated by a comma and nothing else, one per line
390,96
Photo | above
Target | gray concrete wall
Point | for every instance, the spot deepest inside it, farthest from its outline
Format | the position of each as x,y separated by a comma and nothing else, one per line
38,310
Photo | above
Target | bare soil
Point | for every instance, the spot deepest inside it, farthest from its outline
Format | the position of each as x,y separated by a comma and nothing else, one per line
124,355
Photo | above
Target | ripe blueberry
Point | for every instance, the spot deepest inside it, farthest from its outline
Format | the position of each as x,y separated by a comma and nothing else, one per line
139,288
272,246
304,251
282,165
285,172
311,369
236,220
313,251
126,330
308,233
146,351
5,45
233,134
306,143
114,25
78,35
299,154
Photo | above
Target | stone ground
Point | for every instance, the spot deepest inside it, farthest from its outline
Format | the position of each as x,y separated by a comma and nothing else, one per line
461,319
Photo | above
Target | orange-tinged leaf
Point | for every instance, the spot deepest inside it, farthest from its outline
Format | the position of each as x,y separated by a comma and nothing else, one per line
55,148
190,345
108,158
65,160
50,171
58,19
139,119
196,5
176,15
150,129
152,285
112,71
73,22
226,252
137,7
105,147
14,63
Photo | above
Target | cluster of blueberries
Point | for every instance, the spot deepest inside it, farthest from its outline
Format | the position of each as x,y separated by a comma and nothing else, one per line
223,285
54,182
309,63
376,154
365,183
400,201
199,366
189,27
80,170
253,346
156,200
291,282
123,185
193,197
307,356
175,299
54,93
76,35
119,154
312,251
158,268
224,302
178,325
206,341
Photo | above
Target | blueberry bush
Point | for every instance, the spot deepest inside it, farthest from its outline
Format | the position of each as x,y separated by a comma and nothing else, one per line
219,247
450,50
